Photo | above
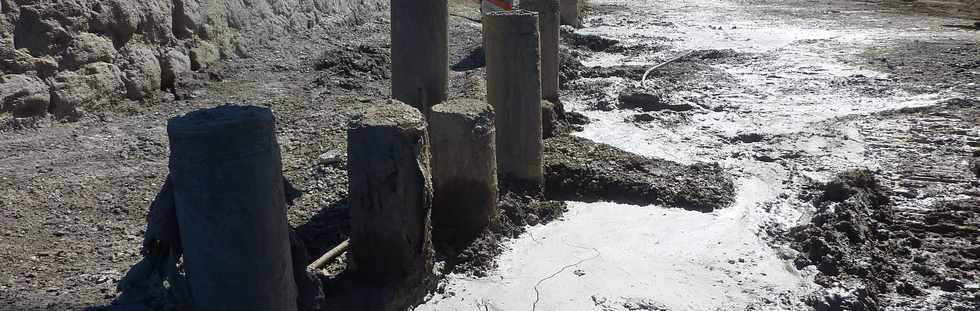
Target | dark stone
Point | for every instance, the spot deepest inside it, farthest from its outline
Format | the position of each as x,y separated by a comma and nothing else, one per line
647,100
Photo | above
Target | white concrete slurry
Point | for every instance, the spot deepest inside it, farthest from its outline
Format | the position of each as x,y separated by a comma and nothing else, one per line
681,259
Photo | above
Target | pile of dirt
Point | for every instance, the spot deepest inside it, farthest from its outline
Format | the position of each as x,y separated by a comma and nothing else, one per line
846,242
589,42
871,255
351,67
578,169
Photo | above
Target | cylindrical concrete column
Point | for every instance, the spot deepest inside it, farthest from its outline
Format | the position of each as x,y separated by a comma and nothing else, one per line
228,192
464,170
548,23
514,90
569,12
419,52
390,193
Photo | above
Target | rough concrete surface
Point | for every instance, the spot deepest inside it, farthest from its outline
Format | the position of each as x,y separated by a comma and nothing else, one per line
464,169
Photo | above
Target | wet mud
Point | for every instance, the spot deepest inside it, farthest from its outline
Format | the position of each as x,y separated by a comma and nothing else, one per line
577,169
873,255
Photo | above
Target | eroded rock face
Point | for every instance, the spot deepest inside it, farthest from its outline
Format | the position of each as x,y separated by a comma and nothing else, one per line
174,65
120,19
86,48
135,48
202,54
91,86
141,71
24,95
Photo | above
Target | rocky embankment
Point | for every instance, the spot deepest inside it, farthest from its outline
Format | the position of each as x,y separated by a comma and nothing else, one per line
66,58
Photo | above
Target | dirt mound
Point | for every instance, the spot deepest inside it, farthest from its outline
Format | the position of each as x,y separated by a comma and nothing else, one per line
586,41
350,67
581,170
871,255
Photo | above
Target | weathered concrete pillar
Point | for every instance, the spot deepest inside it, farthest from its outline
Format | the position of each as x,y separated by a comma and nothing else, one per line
228,192
419,52
569,12
390,193
548,23
464,170
514,90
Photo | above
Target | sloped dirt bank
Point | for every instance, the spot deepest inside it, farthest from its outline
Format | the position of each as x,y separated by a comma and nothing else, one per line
70,58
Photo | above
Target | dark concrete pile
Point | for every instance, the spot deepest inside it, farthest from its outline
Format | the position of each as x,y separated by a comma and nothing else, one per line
581,170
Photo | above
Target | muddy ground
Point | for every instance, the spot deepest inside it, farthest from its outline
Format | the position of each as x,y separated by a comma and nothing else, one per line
74,196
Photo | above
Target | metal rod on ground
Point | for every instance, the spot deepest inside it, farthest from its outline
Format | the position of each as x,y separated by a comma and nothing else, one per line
663,64
228,192
548,23
329,255
464,170
419,52
513,74
390,193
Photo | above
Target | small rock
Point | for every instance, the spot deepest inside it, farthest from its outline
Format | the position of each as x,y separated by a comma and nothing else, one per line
577,118
951,285
908,289
643,117
330,157
764,158
749,138
647,100
579,272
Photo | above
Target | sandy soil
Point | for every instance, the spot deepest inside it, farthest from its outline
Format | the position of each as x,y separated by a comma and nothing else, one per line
787,94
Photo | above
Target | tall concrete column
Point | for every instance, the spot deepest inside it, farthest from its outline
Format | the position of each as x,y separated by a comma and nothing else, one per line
548,23
569,12
514,90
228,193
464,170
390,193
513,75
419,52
